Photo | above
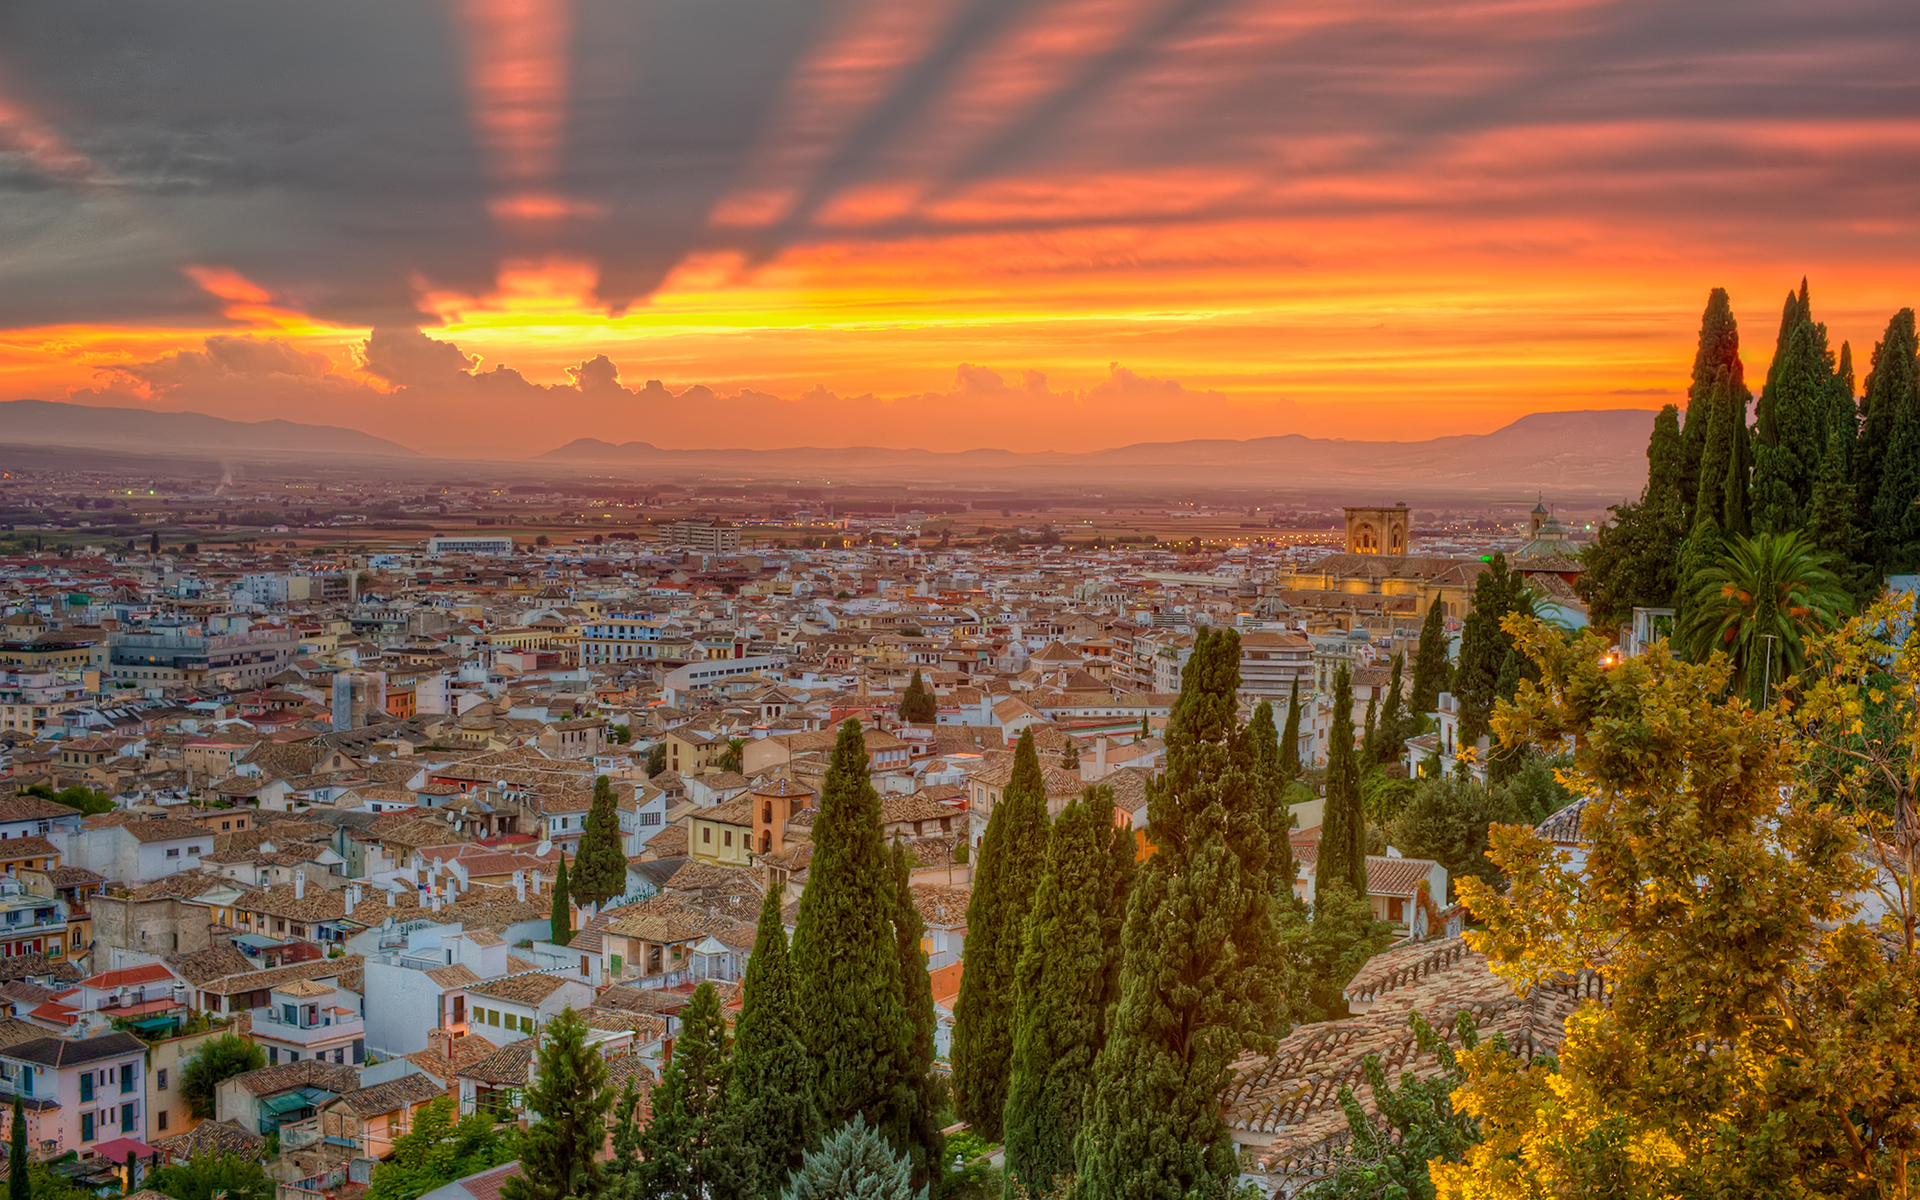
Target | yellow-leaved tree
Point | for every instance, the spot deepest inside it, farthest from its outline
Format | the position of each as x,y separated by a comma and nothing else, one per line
1763,1020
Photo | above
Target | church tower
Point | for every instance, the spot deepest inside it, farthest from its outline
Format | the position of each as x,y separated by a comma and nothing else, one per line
1378,530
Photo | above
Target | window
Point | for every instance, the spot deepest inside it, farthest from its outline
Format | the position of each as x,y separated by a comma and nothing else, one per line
86,1127
727,837
1396,909
706,834
126,1078
193,849
649,818
86,1087
160,1079
273,1056
126,1118
526,1024
493,1016
160,1119
174,852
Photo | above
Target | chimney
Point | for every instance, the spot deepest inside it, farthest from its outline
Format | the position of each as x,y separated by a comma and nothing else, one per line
440,1044
1100,757
300,884
436,904
389,897
520,886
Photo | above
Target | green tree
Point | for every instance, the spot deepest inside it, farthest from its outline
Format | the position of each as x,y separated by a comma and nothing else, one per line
1758,1034
1327,950
1630,561
1795,414
18,1185
919,705
731,759
846,967
656,759
771,1099
1063,987
854,1163
1484,645
560,921
1290,766
1388,1151
1716,358
1391,734
1270,779
569,1097
1889,462
600,864
1758,604
1202,967
218,1060
438,1150
208,1176
1449,820
923,1093
84,799
1430,665
1070,755
1342,854
689,1151
1012,853
1369,737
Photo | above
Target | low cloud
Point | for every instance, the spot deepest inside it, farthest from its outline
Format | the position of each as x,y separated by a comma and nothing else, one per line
438,399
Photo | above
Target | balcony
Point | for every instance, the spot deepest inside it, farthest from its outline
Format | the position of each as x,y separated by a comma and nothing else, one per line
328,1029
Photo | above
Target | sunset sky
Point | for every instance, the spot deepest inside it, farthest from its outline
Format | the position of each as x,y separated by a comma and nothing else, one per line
483,226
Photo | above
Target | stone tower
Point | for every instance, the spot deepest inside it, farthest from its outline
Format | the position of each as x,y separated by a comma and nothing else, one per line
1377,530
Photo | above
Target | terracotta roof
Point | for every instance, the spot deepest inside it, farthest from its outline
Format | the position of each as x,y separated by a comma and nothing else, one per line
519,989
462,1052
28,847
942,905
394,1094
308,1072
215,962
212,1137
260,981
510,1064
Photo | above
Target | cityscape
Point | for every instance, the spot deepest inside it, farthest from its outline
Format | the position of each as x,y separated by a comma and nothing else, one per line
834,600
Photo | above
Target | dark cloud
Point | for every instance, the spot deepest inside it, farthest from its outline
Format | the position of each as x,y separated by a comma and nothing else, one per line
327,151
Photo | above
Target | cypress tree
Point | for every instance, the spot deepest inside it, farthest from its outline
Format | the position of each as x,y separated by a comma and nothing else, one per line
846,974
1893,436
1290,738
1796,412
688,1151
1497,594
1430,661
1736,503
570,1097
600,864
1718,351
770,1101
1011,857
560,922
19,1187
1701,550
1343,833
1201,967
1389,736
1070,756
1062,990
1710,498
920,1102
1370,736
919,705
1271,780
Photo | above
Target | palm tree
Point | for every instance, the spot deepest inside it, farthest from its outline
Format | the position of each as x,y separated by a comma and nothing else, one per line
1758,603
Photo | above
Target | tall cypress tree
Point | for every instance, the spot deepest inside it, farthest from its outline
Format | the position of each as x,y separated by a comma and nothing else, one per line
1370,735
1430,660
1011,857
1063,990
920,1092
600,864
1343,833
846,970
1717,351
1796,415
1290,767
19,1187
689,1151
1389,737
1497,594
570,1097
1890,490
1199,980
560,921
1270,780
770,1102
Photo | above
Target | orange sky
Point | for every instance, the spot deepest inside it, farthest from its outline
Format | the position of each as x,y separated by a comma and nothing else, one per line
1062,225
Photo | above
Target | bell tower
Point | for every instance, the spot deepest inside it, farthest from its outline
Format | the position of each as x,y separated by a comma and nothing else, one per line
1378,530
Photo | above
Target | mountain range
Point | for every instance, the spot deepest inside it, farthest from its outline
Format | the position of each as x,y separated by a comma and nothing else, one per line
1597,454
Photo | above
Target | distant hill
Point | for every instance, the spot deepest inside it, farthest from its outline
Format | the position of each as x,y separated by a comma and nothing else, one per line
1600,453
48,423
